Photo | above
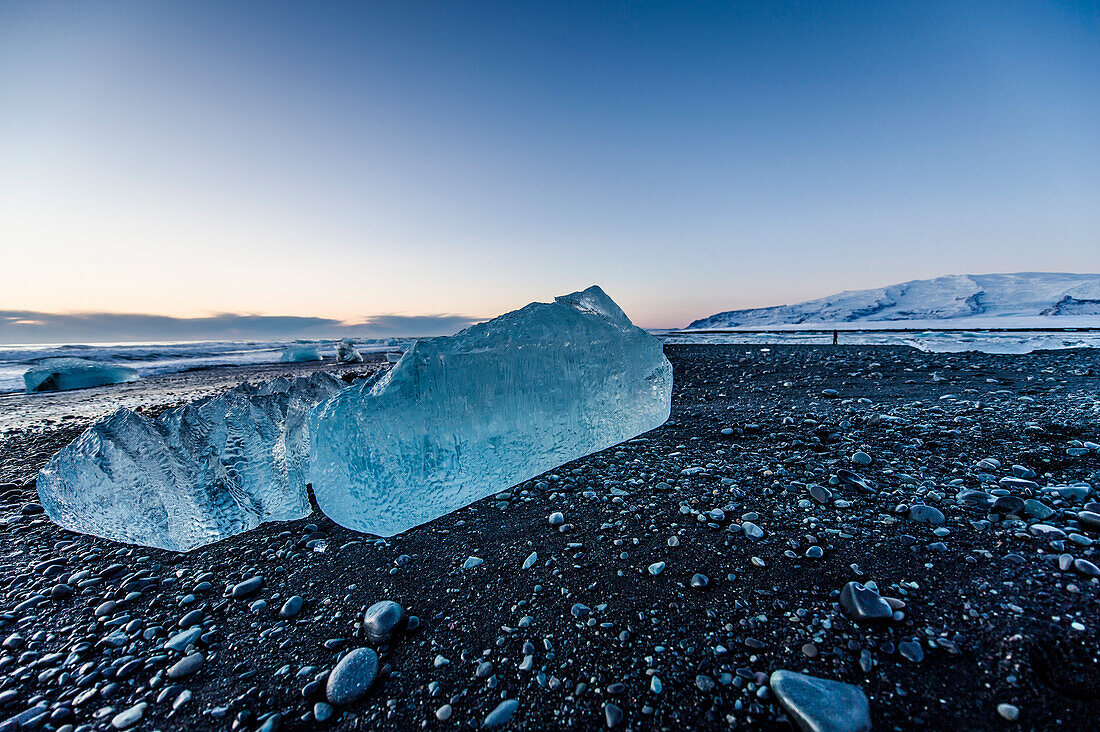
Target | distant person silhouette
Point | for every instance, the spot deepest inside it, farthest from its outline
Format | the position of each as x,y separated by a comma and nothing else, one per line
835,335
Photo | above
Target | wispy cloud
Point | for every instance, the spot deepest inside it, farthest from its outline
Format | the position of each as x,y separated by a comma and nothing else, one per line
27,326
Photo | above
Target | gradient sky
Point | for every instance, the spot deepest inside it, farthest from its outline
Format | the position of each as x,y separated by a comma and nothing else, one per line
413,158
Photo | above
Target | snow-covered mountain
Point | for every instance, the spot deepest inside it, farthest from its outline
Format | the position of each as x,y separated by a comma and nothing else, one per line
1034,296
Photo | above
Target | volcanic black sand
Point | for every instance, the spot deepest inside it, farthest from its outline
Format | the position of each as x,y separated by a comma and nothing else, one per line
990,610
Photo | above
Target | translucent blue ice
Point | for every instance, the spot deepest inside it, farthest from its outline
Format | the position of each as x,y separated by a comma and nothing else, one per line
61,374
346,352
299,352
196,474
463,417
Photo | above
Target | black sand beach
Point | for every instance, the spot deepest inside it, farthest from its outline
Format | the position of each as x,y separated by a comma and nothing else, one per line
989,609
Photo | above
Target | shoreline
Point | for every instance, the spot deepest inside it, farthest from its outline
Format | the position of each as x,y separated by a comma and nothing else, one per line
987,604
19,410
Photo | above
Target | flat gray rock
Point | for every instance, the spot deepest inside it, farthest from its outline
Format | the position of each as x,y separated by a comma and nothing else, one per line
821,705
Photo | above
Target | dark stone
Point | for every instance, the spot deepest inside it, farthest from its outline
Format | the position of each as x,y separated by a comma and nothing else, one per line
974,497
353,677
911,650
384,620
862,603
926,514
821,705
502,714
1089,520
854,479
1008,504
1018,484
246,588
292,607
612,714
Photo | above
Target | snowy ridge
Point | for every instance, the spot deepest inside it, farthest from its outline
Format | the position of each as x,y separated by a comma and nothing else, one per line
1039,297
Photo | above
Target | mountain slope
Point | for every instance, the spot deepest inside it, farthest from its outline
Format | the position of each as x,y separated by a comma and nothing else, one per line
1027,294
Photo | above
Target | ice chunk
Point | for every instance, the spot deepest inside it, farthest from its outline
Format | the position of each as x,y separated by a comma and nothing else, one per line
346,353
197,474
61,374
393,357
301,352
463,417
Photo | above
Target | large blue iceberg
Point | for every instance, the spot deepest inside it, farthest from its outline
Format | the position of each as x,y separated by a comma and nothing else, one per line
457,419
463,417
62,374
196,474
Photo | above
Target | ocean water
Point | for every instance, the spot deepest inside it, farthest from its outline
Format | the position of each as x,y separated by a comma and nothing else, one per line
163,358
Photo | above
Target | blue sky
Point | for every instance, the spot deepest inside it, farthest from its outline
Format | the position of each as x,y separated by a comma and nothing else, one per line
351,161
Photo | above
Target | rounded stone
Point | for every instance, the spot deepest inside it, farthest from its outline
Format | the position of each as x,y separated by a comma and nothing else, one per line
853,479
1086,568
322,711
820,705
1008,505
752,530
502,714
353,677
192,618
186,666
911,650
61,592
1008,712
612,715
246,588
926,514
862,603
130,717
292,607
384,620
1089,520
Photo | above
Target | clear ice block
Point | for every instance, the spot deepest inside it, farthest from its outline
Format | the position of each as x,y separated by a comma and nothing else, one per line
463,417
196,474
62,374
